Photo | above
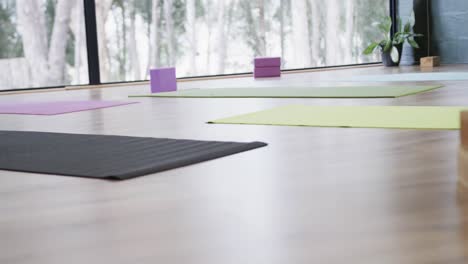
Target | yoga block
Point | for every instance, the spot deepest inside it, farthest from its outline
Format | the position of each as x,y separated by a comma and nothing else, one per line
163,80
428,62
262,72
267,62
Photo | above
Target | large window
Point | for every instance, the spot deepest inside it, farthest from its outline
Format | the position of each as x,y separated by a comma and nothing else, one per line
208,37
42,43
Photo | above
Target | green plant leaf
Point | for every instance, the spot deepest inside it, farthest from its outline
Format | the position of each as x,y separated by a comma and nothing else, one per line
371,48
382,28
397,41
399,25
413,43
395,55
387,46
388,24
407,28
398,38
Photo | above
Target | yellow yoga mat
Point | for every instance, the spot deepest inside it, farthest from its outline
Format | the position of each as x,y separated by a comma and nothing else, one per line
404,117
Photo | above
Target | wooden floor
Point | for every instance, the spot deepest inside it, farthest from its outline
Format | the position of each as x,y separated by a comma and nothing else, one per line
314,195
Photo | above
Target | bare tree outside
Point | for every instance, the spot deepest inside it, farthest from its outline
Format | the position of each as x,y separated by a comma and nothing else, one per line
43,44
191,27
58,41
154,37
206,37
170,34
301,47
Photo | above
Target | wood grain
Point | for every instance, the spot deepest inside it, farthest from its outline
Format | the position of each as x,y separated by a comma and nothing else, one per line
314,195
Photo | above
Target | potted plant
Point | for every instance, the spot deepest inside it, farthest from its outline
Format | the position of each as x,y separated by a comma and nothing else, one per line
391,47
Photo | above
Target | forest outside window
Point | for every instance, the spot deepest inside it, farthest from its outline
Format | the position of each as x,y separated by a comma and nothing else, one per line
213,37
42,43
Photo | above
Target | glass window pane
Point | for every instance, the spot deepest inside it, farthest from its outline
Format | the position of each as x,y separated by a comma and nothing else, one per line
42,43
210,37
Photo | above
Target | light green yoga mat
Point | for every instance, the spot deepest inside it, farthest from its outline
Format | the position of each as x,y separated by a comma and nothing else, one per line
405,117
296,92
411,77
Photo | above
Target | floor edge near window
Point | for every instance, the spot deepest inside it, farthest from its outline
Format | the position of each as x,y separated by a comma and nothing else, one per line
182,79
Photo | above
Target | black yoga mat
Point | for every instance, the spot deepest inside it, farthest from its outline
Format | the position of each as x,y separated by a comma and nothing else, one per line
106,157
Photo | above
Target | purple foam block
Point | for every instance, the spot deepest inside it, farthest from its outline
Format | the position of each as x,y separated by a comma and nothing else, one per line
56,107
267,62
262,72
163,80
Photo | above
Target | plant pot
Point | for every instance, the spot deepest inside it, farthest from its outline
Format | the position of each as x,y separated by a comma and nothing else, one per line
387,57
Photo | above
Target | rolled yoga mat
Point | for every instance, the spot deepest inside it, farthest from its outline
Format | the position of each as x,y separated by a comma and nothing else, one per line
299,92
404,117
106,157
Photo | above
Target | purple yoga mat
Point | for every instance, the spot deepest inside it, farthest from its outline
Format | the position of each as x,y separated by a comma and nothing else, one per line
56,107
